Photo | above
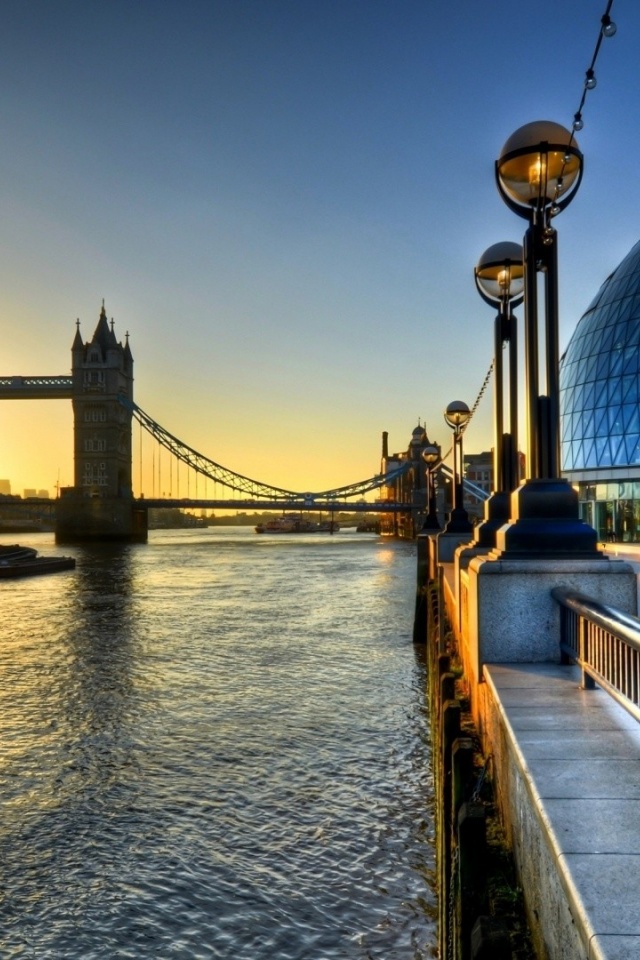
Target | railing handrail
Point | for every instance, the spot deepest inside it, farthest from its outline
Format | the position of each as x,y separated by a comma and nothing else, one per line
608,655
622,625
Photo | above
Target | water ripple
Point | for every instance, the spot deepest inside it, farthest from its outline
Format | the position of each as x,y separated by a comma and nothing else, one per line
216,747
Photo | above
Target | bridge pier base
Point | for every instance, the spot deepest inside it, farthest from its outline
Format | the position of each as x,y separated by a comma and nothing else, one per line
79,517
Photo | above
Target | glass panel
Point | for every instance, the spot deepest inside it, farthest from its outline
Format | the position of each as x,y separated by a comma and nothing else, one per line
603,453
590,460
614,390
618,451
633,332
631,362
614,418
588,421
600,420
590,369
616,361
633,451
629,389
602,366
576,448
625,526
576,431
604,521
589,395
630,418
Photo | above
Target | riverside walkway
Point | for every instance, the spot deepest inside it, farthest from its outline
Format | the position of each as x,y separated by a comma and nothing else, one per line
577,767
566,764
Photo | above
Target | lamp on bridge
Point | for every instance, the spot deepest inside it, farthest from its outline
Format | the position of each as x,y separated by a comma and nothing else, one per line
456,416
499,276
431,456
538,173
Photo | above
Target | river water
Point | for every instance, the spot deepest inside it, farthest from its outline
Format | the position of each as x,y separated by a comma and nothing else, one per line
214,745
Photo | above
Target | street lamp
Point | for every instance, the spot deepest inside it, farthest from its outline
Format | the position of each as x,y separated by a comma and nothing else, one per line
431,456
538,174
456,416
499,276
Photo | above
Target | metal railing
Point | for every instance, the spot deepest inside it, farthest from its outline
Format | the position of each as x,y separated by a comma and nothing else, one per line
605,643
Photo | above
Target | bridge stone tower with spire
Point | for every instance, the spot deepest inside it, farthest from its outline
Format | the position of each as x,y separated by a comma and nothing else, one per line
100,505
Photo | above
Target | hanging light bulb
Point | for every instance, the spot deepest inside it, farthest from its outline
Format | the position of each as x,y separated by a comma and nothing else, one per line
578,122
590,81
608,26
504,280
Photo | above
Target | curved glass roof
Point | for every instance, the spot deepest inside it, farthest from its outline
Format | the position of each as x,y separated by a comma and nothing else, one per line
599,382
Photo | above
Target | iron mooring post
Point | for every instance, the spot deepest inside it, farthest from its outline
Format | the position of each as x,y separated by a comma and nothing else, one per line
450,731
490,940
472,877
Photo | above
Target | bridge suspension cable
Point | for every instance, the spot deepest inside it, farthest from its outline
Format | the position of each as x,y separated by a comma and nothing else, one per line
253,489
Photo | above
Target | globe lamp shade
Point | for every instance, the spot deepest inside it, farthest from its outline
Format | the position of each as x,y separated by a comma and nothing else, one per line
540,166
499,273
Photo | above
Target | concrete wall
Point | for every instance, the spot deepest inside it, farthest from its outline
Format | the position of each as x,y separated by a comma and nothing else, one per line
551,922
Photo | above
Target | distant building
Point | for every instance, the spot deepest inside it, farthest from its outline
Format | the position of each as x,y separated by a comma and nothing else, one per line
5,488
478,470
29,492
600,405
410,487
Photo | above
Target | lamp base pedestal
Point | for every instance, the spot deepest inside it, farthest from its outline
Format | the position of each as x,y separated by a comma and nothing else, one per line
496,514
458,522
545,523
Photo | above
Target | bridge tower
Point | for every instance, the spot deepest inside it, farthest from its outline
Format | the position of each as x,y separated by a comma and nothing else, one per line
100,504
102,369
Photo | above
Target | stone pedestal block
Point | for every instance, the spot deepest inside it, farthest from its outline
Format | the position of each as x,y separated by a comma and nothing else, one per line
447,543
99,518
512,615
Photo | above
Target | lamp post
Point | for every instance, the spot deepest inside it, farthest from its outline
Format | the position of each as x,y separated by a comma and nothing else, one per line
499,277
431,455
538,174
456,416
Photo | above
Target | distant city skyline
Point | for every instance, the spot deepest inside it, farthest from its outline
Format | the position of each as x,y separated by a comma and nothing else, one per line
283,205
6,489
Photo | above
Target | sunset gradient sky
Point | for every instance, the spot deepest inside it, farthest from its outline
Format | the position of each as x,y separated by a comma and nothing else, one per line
282,202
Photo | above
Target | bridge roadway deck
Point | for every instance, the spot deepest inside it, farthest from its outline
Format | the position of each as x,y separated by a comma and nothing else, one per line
578,754
298,506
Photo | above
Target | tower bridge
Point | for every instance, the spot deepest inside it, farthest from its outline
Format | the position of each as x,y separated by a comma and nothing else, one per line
101,504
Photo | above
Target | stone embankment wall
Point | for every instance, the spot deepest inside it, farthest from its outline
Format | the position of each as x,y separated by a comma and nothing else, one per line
481,916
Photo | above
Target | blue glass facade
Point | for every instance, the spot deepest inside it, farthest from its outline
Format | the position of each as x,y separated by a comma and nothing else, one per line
600,405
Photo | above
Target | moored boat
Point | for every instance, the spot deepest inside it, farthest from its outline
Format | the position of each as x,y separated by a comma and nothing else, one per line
17,561
294,523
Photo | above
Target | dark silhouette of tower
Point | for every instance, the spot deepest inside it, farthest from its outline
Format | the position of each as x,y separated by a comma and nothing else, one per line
102,370
100,504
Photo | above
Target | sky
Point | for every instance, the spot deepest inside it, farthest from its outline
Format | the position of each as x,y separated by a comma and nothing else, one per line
282,202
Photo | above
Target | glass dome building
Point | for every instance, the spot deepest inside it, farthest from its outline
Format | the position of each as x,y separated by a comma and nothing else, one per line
600,405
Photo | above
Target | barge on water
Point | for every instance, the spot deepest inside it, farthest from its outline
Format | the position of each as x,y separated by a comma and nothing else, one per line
297,524
17,561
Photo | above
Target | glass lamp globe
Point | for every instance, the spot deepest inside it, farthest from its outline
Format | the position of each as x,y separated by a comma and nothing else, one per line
499,272
457,414
430,455
539,165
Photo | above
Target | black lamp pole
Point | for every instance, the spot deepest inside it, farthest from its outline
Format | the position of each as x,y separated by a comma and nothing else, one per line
538,173
431,455
456,416
499,277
